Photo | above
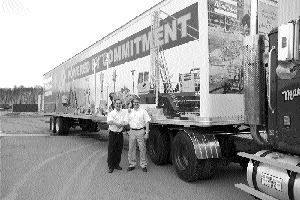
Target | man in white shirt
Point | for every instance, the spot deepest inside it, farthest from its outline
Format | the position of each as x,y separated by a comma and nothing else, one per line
116,120
138,120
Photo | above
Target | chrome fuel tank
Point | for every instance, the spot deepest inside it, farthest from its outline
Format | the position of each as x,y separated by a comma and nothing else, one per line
275,181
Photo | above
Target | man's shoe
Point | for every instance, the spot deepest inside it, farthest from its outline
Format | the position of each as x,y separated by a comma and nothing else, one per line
118,167
144,169
110,170
130,168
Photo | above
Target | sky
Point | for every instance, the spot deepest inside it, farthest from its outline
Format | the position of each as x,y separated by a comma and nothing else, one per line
38,35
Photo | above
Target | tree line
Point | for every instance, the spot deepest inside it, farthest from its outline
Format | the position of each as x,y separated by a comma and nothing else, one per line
20,95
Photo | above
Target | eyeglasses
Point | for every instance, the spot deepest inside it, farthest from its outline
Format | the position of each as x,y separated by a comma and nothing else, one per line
136,102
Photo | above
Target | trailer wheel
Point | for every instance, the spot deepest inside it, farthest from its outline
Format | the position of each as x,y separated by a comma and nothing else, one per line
188,167
62,126
58,125
52,124
158,146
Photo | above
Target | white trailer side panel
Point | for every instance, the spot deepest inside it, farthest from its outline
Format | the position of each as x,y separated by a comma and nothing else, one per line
288,10
202,79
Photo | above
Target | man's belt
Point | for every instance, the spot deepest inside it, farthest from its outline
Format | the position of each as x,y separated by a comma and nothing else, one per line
137,129
116,131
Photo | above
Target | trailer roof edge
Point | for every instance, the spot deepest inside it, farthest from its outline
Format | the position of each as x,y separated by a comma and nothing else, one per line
163,2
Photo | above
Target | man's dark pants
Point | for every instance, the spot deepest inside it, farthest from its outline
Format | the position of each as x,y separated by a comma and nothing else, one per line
115,146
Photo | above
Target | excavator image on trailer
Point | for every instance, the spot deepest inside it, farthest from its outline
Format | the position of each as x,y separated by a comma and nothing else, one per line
189,82
178,99
273,112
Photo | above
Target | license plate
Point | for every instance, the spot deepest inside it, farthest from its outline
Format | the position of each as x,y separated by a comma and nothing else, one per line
271,181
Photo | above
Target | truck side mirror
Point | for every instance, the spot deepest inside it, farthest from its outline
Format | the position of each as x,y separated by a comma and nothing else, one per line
288,42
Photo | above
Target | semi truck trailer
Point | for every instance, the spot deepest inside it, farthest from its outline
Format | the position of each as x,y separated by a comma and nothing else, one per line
186,62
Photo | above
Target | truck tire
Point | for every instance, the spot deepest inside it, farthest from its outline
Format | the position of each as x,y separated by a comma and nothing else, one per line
188,167
62,126
52,124
158,146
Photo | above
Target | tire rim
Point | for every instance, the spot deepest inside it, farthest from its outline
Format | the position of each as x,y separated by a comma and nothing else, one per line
181,158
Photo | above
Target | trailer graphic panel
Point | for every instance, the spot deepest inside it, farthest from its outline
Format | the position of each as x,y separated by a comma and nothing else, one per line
173,31
121,64
85,86
229,22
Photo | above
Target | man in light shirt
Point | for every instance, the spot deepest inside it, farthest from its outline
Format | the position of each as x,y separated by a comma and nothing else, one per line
138,120
116,119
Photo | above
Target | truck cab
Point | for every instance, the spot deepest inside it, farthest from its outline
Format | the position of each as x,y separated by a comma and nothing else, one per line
284,103
272,101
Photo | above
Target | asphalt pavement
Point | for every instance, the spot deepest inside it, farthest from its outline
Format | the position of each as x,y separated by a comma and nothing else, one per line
38,165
